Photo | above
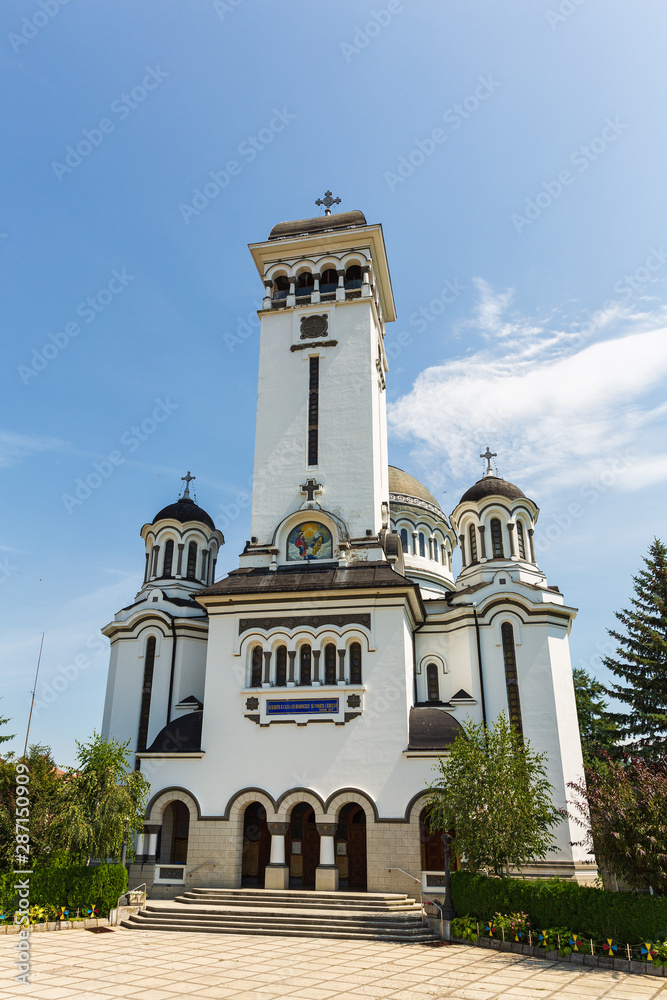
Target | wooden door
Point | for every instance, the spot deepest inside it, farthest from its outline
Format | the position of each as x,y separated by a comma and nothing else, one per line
310,848
356,849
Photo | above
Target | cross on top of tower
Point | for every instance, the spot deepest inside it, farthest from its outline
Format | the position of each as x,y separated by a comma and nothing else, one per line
488,455
327,201
187,480
311,488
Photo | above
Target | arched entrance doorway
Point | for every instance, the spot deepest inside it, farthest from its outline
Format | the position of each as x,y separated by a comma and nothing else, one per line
302,845
256,845
173,845
432,847
351,847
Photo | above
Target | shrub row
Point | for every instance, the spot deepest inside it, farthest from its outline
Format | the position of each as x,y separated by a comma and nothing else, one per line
76,887
623,916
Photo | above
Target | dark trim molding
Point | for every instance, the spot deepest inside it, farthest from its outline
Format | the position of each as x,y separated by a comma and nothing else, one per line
244,791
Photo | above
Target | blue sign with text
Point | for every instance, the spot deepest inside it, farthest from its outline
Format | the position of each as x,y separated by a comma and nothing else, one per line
310,706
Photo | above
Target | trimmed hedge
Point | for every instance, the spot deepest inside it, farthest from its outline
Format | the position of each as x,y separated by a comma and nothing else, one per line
623,916
76,887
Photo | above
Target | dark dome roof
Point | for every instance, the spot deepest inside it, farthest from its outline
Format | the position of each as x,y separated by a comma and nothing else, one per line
432,729
492,486
320,224
403,482
180,735
184,510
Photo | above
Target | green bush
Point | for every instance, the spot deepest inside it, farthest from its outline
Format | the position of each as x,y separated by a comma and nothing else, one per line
555,903
77,888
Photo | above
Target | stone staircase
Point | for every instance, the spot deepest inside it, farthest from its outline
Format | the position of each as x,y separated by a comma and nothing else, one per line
357,915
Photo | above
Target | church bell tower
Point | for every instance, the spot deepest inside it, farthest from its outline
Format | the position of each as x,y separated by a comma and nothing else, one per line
321,438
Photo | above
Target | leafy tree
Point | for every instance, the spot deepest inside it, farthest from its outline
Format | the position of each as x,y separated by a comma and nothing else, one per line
493,790
641,659
42,820
100,801
623,809
4,738
599,732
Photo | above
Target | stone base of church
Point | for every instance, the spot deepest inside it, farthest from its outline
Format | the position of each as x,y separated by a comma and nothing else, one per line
276,877
326,878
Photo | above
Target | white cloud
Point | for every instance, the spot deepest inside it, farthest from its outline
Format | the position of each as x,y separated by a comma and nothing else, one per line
558,405
14,447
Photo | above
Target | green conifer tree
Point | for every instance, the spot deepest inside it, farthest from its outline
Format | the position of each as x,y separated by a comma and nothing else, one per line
641,660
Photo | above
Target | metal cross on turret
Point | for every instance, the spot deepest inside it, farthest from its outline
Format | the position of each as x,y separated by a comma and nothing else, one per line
187,480
488,455
327,201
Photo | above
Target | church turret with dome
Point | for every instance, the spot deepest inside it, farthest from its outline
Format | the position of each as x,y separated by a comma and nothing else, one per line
289,713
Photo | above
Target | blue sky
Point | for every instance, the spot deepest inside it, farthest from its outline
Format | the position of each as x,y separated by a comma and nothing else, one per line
515,157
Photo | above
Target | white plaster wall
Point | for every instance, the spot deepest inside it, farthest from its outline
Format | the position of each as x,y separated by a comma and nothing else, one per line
352,434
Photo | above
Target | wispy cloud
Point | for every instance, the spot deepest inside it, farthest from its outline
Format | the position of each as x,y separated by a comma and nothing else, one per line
557,401
14,447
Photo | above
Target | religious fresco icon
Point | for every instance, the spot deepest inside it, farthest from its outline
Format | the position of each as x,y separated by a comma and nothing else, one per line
308,541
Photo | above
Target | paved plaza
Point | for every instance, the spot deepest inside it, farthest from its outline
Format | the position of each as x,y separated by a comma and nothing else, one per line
153,965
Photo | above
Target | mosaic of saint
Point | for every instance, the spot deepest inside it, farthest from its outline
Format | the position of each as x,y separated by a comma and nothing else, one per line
309,541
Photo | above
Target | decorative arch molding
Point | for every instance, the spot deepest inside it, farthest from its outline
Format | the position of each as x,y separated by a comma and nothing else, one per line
336,526
146,619
343,796
290,798
419,799
282,635
241,799
354,257
512,619
161,799
432,658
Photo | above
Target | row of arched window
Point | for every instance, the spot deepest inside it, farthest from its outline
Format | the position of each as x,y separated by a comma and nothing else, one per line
496,542
188,565
326,283
306,666
426,546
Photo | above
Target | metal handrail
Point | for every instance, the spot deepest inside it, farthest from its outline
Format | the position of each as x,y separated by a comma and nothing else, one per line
201,865
422,894
127,893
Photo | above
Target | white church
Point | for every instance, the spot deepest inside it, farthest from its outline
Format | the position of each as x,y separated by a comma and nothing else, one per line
289,715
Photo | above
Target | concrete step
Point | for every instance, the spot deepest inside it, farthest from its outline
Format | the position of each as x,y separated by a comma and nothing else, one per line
300,918
305,900
286,929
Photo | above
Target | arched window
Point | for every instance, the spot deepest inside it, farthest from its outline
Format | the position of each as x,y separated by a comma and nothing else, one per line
511,677
330,663
355,663
329,281
305,660
353,277
422,544
256,674
404,541
497,539
304,285
520,540
432,685
156,549
145,711
472,538
192,561
281,287
281,666
436,550
168,558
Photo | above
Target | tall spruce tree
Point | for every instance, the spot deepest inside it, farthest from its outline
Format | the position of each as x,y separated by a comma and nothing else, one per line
599,732
641,660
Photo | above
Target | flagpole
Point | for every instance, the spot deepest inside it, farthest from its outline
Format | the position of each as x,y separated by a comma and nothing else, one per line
39,660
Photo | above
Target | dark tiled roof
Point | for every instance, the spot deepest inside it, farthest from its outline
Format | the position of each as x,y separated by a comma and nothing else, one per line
432,729
320,224
313,577
492,486
180,735
184,510
403,482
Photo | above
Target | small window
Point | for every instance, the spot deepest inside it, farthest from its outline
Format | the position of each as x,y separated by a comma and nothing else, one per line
330,664
281,666
353,277
355,663
472,537
422,544
404,541
432,685
436,550
497,539
305,660
521,540
192,561
256,674
304,285
511,676
156,549
281,287
329,281
168,558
